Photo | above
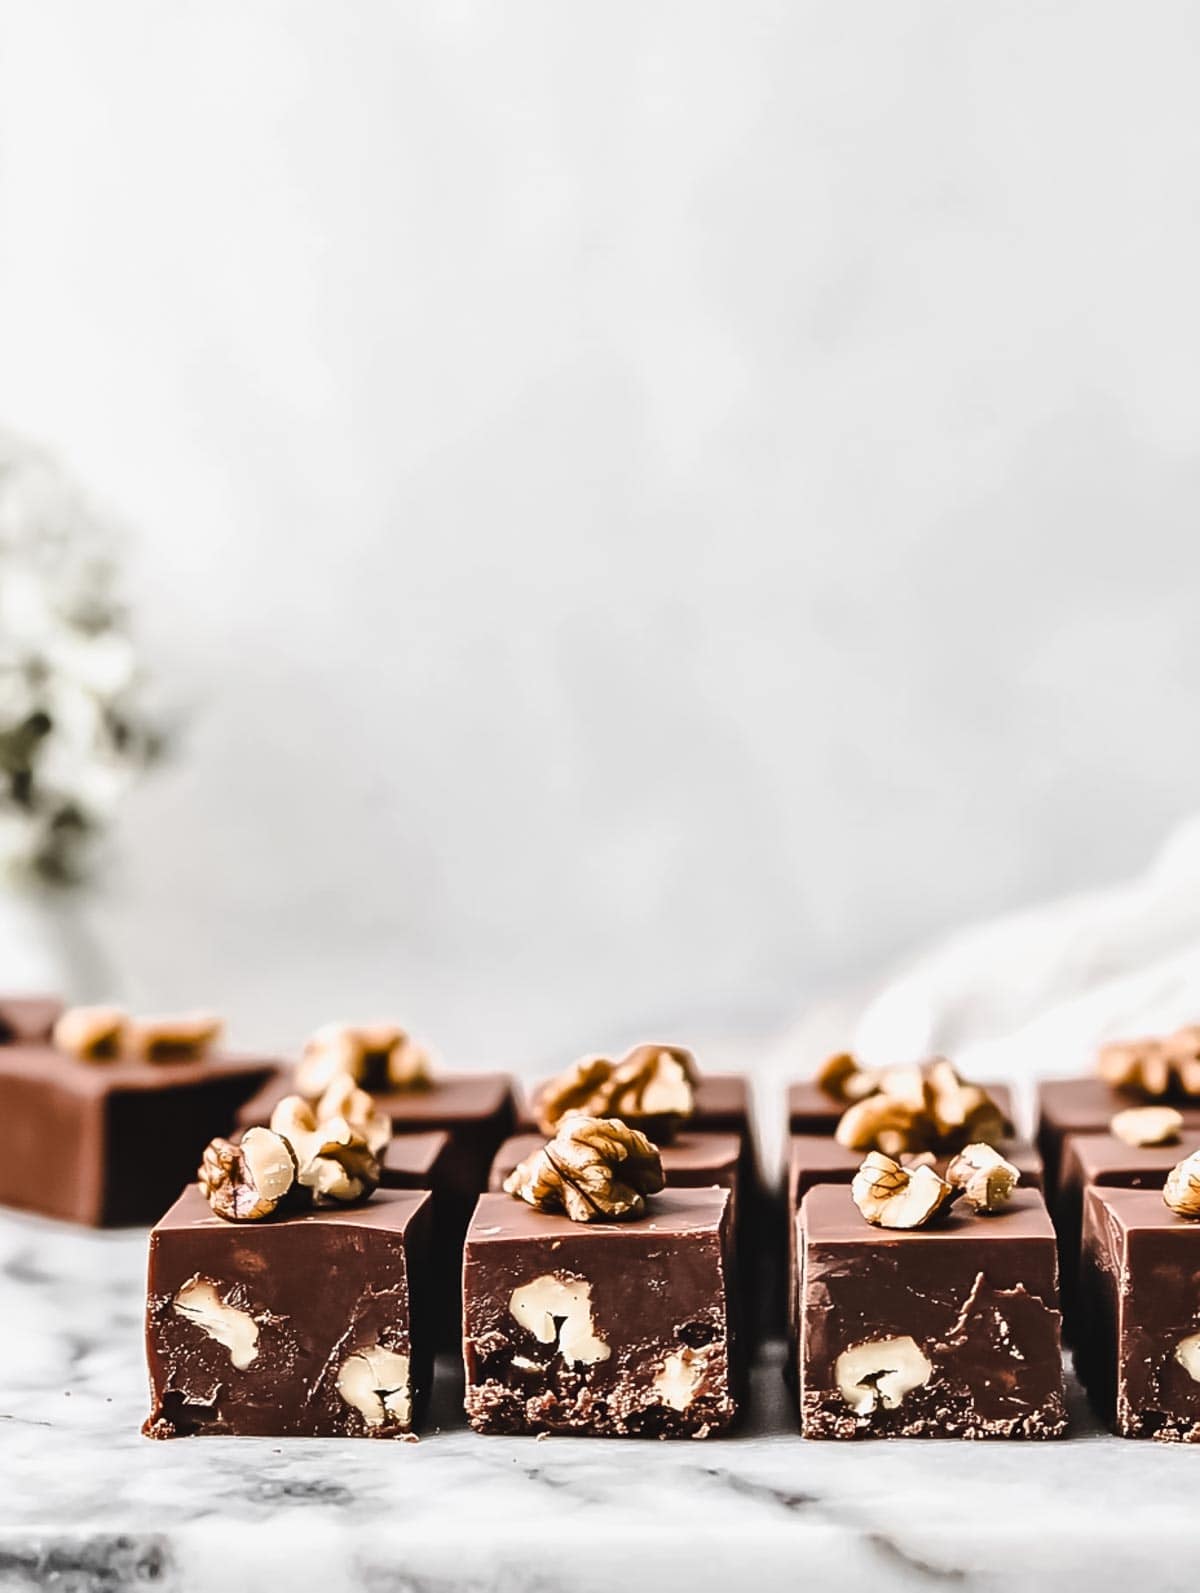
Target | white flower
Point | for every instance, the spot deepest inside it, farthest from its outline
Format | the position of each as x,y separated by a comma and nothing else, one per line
72,735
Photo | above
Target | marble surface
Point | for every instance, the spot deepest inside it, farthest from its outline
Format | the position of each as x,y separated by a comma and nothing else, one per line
87,1503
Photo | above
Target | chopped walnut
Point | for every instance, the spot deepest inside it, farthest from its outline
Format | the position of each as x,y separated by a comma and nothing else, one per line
986,1179
93,1034
571,1091
335,1160
892,1196
843,1077
1154,1067
166,1039
921,1108
250,1180
378,1056
336,1165
652,1082
593,1170
343,1098
1182,1189
1147,1125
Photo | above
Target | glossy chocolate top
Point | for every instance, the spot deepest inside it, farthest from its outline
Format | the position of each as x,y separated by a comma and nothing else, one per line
388,1208
1105,1159
1133,1212
819,1159
501,1219
45,1063
828,1215
1087,1105
414,1156
690,1160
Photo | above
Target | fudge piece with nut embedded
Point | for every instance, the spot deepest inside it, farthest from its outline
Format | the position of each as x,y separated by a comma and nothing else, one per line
602,1328
814,1159
311,1324
1138,1340
940,1332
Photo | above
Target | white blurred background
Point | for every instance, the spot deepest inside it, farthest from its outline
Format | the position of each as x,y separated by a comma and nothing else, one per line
649,512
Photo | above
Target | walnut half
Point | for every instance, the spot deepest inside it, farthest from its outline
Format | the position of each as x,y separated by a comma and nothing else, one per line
986,1179
654,1085
250,1180
594,1170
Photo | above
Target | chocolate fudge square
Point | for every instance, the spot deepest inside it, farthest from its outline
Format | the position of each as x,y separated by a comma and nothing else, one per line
1139,1347
1103,1160
106,1143
813,1110
602,1329
309,1325
941,1332
1085,1105
814,1159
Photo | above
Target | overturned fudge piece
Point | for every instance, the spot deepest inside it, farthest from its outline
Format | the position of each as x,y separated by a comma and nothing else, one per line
944,1331
111,1137
1086,1105
1138,1348
308,1324
28,1019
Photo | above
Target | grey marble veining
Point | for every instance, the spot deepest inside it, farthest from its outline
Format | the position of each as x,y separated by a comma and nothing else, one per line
86,1502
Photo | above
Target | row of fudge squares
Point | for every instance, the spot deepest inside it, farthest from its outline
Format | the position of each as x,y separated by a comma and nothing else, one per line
1123,1178
595,1300
130,1103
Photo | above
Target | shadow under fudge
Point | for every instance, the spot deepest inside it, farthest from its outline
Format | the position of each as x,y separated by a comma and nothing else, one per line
1138,1349
288,1302
950,1331
602,1329
128,1134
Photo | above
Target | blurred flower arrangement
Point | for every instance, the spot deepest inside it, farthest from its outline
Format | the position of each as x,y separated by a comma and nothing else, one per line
73,730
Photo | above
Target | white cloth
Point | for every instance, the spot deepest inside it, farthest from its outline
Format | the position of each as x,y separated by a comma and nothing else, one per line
1035,992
